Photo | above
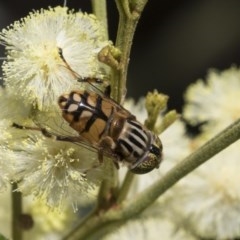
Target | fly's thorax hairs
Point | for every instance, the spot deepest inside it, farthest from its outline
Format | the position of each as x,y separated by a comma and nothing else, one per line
133,142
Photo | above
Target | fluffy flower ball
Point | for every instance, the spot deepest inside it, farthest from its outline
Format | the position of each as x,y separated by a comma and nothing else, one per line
214,101
48,50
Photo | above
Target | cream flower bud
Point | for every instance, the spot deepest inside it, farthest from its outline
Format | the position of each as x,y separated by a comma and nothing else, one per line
214,102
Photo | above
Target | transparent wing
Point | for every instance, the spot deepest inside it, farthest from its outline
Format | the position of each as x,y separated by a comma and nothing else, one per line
52,125
100,86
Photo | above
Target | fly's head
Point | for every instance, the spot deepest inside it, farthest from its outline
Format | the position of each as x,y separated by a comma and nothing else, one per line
152,157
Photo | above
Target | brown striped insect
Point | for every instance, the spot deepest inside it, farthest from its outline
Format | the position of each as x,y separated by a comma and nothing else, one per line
104,125
113,130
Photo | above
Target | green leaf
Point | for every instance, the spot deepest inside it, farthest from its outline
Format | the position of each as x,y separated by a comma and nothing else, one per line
2,237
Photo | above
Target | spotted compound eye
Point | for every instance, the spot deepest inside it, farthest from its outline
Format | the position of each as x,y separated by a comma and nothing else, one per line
152,159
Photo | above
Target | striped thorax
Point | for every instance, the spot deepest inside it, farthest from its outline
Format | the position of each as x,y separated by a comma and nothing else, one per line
109,127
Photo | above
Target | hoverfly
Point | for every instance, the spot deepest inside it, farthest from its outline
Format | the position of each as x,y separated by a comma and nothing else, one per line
105,125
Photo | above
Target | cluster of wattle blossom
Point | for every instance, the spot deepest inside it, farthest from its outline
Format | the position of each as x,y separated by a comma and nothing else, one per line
204,205
39,50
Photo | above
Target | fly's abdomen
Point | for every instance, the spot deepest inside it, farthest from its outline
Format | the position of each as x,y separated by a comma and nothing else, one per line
87,112
133,141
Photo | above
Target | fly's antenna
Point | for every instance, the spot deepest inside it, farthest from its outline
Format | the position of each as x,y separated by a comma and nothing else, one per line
66,65
89,80
60,52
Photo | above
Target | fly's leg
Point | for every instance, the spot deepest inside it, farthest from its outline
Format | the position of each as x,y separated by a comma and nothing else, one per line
106,146
107,91
15,125
71,139
92,81
48,134
100,82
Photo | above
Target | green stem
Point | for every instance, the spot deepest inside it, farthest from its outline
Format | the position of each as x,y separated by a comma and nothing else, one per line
2,237
16,213
108,188
72,233
128,209
128,19
100,10
123,191
208,150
